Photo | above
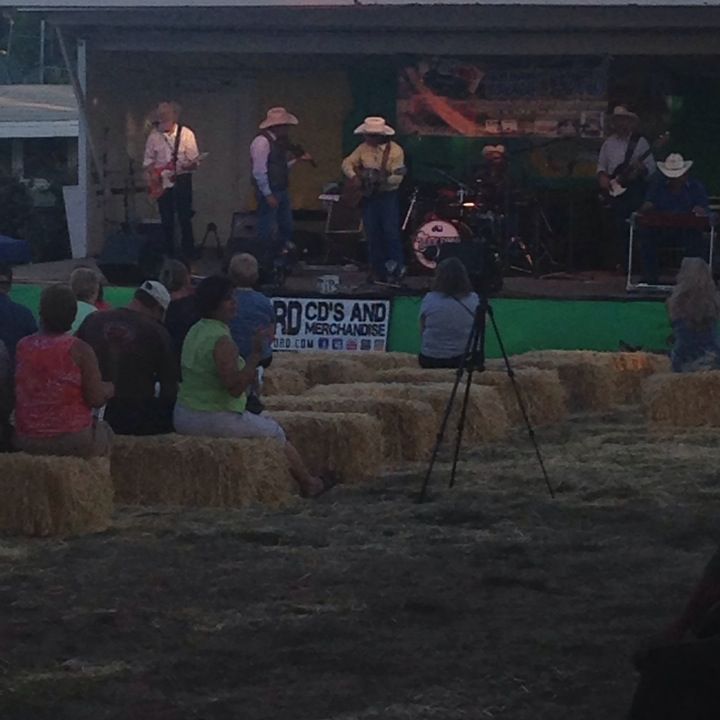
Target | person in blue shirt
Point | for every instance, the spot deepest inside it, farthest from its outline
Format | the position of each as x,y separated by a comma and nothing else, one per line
254,312
16,321
672,191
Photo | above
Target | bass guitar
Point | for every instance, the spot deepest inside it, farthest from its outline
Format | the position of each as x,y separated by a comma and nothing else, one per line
627,172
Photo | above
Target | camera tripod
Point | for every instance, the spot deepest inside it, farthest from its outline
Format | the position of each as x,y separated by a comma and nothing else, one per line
474,361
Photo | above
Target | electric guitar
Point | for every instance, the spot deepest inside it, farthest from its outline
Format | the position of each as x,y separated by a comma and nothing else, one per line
161,179
627,172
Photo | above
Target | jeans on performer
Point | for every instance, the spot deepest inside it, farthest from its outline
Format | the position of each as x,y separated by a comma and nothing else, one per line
177,200
275,225
691,241
381,220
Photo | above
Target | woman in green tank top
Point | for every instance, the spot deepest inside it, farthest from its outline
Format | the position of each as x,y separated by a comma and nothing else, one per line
211,400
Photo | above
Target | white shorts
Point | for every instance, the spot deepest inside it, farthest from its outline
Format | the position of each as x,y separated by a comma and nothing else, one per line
225,424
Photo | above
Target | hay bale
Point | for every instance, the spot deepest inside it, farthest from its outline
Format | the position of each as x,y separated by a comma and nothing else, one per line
348,444
541,390
59,496
200,472
627,371
590,383
280,381
683,399
631,369
328,370
408,427
486,418
373,361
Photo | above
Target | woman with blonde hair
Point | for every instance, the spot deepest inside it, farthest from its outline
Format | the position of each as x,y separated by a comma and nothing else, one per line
694,310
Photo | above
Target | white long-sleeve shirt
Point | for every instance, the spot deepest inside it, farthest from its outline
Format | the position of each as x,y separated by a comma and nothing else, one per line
160,145
259,154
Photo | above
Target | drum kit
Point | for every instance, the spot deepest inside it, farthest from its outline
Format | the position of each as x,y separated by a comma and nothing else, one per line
479,210
453,213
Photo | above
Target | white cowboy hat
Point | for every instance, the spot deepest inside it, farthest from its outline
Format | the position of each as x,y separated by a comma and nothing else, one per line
278,116
374,126
622,111
675,165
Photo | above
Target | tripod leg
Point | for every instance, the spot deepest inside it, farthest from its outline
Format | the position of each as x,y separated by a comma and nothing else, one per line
520,402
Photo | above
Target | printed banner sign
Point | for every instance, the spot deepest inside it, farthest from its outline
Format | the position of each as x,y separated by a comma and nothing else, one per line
312,324
506,97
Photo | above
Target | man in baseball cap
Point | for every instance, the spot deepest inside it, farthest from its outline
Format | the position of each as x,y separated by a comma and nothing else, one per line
135,353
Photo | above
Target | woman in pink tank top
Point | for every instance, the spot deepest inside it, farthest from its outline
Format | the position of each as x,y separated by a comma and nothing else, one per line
57,383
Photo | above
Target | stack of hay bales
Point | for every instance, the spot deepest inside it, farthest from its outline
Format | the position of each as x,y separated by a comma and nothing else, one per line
541,390
60,496
486,418
348,444
683,399
408,427
200,472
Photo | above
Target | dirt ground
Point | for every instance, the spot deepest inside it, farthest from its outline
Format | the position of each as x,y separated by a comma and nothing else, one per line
490,601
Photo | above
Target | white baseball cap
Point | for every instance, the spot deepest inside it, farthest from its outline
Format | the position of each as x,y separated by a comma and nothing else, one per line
157,291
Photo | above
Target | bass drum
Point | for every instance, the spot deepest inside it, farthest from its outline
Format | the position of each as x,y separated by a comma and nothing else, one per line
429,237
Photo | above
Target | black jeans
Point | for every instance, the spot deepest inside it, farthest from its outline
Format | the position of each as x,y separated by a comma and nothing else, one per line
177,200
150,417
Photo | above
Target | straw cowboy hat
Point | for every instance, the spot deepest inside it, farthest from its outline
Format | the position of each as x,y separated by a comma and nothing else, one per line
620,111
675,165
278,116
374,126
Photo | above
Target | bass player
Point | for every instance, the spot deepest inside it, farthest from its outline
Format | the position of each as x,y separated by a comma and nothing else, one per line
624,164
376,168
171,156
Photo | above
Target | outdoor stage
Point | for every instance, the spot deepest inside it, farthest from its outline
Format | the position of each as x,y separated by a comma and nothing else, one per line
588,310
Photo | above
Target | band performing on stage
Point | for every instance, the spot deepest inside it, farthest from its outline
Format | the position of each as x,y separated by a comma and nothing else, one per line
485,216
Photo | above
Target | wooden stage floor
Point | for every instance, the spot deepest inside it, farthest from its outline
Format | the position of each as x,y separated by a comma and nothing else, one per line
590,285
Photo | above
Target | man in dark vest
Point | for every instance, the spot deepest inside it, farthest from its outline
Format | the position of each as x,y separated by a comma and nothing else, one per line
271,162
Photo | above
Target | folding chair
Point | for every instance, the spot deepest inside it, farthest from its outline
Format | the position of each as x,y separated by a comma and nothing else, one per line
663,220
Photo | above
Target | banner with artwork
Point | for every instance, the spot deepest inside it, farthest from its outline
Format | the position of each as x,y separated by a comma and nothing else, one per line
503,97
311,324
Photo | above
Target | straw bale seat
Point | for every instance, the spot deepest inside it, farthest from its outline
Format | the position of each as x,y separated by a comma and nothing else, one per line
284,381
348,444
373,361
541,390
200,472
54,496
408,427
683,399
486,418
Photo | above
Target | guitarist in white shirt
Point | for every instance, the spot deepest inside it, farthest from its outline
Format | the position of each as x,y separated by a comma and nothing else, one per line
169,163
623,147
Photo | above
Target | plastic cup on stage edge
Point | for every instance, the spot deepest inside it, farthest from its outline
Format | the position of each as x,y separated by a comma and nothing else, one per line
328,284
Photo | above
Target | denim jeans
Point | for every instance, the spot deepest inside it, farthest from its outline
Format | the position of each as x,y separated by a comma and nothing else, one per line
275,225
381,219
177,200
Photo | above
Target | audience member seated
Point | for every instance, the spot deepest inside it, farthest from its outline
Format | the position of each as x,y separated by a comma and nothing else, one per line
679,669
254,313
85,283
136,353
7,397
446,316
16,321
181,314
694,310
212,399
57,384
672,190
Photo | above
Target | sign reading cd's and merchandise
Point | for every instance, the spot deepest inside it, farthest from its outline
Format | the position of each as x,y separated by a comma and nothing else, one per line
312,324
